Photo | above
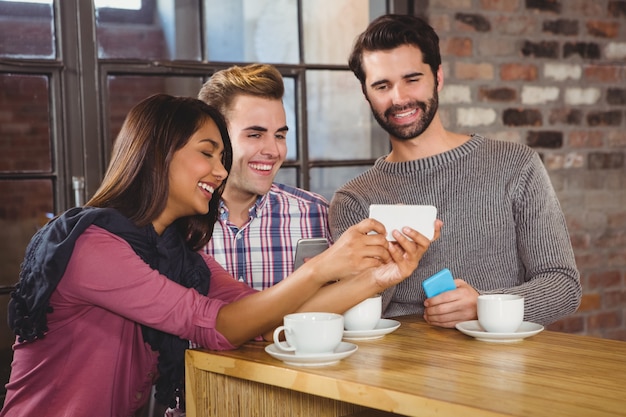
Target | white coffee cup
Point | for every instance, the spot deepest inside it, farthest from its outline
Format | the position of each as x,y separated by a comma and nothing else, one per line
310,333
500,313
365,315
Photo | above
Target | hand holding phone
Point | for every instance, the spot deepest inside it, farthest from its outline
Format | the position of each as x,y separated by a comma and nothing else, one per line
440,282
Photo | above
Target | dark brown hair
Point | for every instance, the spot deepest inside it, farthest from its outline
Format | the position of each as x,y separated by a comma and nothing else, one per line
391,31
137,182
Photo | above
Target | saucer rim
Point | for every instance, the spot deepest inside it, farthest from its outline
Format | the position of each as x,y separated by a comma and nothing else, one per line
375,333
345,349
498,337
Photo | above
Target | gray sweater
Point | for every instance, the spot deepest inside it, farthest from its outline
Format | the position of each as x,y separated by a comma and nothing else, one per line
503,230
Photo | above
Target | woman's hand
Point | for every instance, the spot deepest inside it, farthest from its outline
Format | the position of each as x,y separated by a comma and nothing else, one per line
405,256
353,253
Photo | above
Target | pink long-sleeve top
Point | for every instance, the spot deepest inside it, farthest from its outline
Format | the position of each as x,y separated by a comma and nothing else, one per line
93,361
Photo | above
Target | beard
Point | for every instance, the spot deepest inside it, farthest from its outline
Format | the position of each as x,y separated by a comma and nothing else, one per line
428,110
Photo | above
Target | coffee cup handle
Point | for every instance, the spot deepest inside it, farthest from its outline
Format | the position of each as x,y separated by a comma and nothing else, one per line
284,346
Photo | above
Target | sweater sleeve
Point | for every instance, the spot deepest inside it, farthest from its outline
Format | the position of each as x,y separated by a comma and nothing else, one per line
128,287
552,286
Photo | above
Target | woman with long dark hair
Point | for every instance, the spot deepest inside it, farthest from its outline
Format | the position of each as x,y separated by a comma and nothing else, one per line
111,294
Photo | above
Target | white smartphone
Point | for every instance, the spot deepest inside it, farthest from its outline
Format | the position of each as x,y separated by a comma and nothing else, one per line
308,248
396,216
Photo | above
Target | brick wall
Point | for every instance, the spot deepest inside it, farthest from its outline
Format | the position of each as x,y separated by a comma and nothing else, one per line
552,74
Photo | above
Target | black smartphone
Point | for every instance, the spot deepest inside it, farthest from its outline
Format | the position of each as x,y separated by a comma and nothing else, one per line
308,248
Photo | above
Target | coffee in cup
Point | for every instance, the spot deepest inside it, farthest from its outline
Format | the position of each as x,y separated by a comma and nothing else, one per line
500,313
310,333
365,315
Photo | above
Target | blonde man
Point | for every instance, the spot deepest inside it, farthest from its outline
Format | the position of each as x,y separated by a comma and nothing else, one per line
260,221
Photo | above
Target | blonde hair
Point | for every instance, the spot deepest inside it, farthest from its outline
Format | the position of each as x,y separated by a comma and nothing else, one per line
259,80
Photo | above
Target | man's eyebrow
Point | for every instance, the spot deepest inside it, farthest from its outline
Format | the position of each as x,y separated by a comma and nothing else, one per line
413,74
264,129
256,128
405,76
379,82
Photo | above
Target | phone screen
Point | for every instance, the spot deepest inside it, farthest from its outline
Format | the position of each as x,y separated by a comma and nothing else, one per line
308,248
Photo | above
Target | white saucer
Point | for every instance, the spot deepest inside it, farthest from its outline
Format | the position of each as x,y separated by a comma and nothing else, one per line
472,328
342,351
383,327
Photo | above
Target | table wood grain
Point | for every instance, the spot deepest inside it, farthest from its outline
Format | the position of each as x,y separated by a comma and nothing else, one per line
418,370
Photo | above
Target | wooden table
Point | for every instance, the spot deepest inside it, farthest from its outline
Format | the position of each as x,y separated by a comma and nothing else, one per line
418,370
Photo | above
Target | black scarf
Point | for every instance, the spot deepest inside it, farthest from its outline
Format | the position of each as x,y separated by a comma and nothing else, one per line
49,252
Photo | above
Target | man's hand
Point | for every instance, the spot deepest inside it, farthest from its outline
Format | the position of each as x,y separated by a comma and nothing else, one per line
452,307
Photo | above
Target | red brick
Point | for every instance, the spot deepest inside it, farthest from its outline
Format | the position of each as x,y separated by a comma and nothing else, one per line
472,22
513,72
592,260
616,220
586,50
586,8
590,302
611,239
474,71
604,320
603,29
457,47
586,139
617,258
500,5
440,22
602,73
515,25
572,324
615,334
605,279
616,138
617,8
566,27
522,117
497,94
580,240
614,298
565,116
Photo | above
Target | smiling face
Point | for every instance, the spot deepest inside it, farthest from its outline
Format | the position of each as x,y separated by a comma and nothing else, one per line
258,129
195,171
402,90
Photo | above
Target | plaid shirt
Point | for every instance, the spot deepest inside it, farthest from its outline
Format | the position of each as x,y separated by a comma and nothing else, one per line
261,252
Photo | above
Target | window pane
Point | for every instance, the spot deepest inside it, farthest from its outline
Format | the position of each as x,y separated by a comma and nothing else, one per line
27,30
330,27
24,124
326,181
340,122
25,205
289,101
126,91
6,341
287,175
158,30
252,31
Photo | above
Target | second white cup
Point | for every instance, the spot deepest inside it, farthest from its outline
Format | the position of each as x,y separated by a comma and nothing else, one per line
310,333
500,313
365,315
